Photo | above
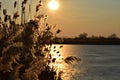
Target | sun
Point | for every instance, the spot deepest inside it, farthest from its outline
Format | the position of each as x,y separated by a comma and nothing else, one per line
53,5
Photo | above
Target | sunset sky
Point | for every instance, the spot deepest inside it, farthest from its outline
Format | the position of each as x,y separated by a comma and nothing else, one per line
95,17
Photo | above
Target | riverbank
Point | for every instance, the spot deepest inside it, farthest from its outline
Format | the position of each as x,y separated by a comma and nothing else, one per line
92,41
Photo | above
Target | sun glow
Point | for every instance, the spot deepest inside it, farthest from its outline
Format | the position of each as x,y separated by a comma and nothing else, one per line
53,5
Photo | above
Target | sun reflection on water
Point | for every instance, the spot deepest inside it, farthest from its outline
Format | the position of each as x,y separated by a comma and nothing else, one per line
68,70
95,64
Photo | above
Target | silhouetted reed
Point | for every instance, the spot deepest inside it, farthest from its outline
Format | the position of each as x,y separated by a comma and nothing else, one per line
25,49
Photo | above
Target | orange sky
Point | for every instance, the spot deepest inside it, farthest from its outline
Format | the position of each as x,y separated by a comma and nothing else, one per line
95,17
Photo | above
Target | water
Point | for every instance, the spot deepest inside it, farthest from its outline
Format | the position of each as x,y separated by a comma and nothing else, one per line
98,62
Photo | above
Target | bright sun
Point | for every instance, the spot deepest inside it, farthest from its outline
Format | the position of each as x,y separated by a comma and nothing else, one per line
53,5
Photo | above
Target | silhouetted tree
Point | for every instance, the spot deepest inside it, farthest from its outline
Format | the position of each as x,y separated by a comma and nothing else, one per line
83,36
112,36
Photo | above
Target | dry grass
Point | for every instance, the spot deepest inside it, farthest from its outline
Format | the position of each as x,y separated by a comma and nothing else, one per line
25,48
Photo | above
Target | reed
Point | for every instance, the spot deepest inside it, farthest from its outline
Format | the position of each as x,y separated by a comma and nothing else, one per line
25,49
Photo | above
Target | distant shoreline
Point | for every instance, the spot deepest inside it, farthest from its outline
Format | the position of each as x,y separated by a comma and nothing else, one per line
91,42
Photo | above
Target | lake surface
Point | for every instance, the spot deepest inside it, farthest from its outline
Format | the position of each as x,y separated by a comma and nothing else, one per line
98,62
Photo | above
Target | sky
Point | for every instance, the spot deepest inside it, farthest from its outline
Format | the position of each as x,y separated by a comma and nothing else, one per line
95,17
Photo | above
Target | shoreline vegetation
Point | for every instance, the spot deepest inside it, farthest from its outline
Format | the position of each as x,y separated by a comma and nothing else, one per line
25,46
83,38
91,41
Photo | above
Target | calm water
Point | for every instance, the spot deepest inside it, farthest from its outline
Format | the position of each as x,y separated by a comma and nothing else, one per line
98,62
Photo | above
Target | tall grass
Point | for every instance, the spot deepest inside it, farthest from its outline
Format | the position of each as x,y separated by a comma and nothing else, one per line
25,48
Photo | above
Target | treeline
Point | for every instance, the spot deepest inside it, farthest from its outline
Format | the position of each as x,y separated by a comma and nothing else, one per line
83,38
